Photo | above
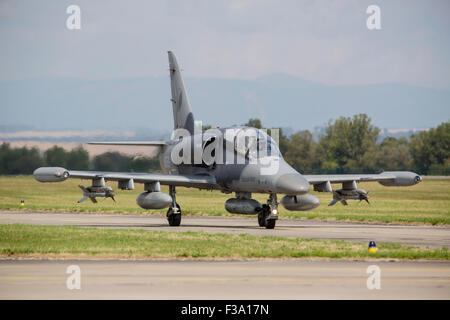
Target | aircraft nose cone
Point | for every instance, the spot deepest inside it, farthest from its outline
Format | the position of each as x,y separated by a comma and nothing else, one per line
292,184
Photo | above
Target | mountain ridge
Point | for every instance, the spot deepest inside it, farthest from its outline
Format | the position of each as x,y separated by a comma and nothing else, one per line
279,100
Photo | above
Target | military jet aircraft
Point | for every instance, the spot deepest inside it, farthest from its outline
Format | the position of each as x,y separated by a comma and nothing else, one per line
242,160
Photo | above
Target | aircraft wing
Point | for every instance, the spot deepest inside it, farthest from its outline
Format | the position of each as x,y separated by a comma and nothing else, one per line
54,174
341,178
388,178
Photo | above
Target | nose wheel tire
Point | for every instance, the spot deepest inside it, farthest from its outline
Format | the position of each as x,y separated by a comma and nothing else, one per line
270,224
174,218
262,218
262,215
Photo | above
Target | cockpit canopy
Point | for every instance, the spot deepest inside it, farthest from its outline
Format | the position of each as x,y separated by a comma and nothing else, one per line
255,143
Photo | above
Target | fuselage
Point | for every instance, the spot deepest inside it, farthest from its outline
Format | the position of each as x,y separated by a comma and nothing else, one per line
235,167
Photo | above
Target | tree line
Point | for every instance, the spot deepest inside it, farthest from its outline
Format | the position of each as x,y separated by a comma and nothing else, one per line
25,160
351,145
348,145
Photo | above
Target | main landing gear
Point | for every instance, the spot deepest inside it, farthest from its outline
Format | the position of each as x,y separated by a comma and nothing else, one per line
174,212
268,215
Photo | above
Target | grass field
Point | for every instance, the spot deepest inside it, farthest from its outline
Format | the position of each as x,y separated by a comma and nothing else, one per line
65,241
425,203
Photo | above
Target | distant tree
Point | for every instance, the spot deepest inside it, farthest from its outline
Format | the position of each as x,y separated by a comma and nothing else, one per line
349,144
145,164
56,157
430,150
78,159
27,161
301,151
5,155
115,161
254,123
112,161
393,154
19,160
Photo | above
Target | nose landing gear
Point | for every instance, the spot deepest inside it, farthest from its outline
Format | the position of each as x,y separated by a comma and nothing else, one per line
268,215
174,212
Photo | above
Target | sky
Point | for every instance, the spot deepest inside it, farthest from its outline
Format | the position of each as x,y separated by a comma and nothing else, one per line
292,63
320,41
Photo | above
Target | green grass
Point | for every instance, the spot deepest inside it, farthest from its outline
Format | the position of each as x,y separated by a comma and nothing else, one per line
23,240
425,203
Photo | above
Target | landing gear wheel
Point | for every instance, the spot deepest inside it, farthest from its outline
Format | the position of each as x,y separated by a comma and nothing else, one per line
174,218
261,220
272,211
270,224
262,215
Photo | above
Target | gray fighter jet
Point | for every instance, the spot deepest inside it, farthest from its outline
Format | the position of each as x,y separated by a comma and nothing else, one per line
242,160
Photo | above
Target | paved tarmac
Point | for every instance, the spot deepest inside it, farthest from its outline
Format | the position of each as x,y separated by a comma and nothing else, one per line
199,279
431,236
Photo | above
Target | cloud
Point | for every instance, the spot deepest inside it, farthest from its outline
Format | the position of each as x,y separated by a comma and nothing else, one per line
321,41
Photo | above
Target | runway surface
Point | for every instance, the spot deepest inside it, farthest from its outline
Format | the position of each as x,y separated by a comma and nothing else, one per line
200,279
432,236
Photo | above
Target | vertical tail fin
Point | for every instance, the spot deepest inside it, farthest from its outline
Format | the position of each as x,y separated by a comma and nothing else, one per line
182,113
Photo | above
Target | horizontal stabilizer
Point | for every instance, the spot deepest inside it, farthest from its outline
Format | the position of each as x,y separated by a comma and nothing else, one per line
130,143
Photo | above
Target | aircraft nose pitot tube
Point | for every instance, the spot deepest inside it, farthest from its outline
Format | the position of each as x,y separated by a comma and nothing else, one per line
50,174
